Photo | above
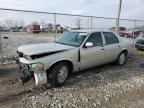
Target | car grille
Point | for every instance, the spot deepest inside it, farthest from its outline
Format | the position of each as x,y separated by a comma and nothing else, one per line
25,75
24,67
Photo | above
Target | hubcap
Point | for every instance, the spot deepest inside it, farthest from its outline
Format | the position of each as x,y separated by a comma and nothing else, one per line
62,74
122,59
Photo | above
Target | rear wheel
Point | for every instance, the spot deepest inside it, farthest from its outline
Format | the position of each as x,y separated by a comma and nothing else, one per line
58,74
121,60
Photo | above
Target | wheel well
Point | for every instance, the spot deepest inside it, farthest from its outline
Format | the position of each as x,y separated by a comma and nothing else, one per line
125,51
65,61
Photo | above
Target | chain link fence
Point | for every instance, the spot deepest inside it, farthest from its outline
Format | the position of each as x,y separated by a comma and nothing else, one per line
20,27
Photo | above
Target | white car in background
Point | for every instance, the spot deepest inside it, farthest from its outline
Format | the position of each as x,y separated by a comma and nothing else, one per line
75,51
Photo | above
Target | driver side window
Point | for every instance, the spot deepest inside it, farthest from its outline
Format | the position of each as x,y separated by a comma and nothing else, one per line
96,39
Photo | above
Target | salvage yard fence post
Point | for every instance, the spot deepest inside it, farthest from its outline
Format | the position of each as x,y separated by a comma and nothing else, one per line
55,28
134,33
91,22
0,45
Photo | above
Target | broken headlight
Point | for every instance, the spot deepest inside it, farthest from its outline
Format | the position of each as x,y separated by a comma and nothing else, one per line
38,67
28,57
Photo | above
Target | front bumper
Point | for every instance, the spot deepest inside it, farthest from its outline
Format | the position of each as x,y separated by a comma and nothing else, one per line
26,74
40,78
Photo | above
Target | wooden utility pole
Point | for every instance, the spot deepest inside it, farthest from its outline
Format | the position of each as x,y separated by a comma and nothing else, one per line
55,26
118,17
0,45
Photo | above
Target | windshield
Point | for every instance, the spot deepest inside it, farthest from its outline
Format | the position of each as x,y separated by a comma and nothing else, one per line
72,38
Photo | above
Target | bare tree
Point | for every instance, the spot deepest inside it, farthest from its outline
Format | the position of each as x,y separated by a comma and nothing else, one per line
78,22
15,23
9,23
21,23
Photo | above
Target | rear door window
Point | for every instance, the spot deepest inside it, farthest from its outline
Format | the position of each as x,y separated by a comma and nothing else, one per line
110,38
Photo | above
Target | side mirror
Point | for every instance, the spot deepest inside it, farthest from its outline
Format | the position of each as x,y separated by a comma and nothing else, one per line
88,44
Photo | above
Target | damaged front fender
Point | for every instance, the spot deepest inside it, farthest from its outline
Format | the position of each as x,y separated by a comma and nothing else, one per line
40,78
26,75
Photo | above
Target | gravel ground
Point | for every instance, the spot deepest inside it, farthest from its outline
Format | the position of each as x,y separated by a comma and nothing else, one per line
106,86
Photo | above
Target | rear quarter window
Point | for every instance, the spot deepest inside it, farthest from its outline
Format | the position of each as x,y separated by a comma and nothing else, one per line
110,38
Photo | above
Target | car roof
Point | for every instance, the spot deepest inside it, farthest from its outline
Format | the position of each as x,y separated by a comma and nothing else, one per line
92,30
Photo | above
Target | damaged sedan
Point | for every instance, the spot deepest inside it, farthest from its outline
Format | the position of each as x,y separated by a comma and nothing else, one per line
73,52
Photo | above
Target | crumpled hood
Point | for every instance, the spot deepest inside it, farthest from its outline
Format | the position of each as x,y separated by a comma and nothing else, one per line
34,49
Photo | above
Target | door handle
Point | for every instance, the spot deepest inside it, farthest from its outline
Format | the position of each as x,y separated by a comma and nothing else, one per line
119,46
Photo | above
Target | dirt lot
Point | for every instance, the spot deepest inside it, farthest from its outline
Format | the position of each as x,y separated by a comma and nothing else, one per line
106,86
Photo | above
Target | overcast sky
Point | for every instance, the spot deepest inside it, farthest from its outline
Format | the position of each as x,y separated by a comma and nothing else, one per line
131,9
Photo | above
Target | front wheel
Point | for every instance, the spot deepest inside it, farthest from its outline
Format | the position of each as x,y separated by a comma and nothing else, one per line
121,60
58,74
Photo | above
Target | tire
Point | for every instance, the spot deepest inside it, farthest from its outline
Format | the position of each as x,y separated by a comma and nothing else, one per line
58,74
121,60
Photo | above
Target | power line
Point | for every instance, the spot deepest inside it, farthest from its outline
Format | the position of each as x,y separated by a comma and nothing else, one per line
29,11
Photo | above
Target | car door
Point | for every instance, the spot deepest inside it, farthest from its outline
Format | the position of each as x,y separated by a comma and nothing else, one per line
112,46
92,56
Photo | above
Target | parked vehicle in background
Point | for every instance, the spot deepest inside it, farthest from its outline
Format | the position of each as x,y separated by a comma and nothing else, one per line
66,29
138,31
47,28
1,28
75,51
120,28
60,30
123,32
34,28
4,29
127,34
17,29
140,42
14,29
